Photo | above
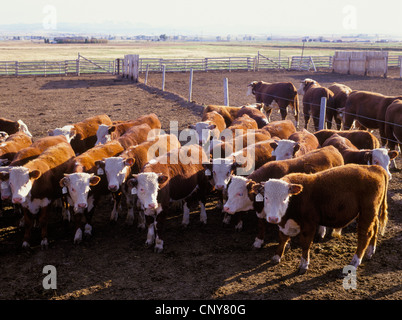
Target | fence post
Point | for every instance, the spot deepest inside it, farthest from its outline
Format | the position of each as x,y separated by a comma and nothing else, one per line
323,107
190,90
226,91
77,67
163,77
16,68
146,74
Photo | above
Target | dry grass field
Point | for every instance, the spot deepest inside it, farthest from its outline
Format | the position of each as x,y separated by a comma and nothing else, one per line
202,262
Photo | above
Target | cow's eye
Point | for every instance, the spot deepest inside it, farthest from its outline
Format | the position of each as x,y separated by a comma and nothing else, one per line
240,194
72,189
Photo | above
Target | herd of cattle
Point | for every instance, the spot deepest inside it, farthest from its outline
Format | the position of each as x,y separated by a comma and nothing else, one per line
300,181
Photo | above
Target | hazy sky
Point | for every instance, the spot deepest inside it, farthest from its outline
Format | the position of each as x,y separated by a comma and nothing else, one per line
222,16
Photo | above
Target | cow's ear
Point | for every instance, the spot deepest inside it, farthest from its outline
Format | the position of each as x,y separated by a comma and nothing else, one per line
295,188
392,154
162,178
129,162
211,126
296,148
50,132
64,182
4,176
191,126
250,186
94,180
274,144
73,133
132,182
100,164
35,174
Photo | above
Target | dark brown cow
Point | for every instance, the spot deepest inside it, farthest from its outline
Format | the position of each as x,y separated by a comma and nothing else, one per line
298,203
82,185
35,186
255,114
228,113
281,129
178,175
359,138
82,135
393,125
313,92
241,194
13,144
369,109
276,95
114,131
341,93
351,154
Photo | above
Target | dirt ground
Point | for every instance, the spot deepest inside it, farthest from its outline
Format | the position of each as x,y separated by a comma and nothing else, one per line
200,262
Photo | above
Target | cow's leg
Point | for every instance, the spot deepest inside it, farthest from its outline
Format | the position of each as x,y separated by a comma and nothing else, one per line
116,202
150,220
159,228
283,240
373,241
306,239
186,215
239,221
365,231
78,227
88,225
130,202
43,222
28,223
203,212
259,240
306,120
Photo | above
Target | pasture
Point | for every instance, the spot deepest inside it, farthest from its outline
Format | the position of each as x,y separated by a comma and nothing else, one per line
200,262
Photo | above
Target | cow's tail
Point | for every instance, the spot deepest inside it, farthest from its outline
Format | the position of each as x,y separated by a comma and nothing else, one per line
383,214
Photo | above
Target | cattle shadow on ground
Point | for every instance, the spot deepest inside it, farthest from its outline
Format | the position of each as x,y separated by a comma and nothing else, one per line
84,83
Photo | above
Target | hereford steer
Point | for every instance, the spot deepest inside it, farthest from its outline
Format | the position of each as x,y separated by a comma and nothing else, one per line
13,144
351,154
177,175
82,185
136,135
341,93
131,161
255,114
240,125
276,95
393,125
360,139
12,127
35,185
312,93
298,203
109,132
299,143
369,109
281,129
82,135
243,192
228,113
210,127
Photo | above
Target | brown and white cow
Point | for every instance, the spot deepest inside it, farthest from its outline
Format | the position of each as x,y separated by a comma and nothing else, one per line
12,127
369,109
254,113
276,95
131,161
109,132
298,203
341,93
299,143
83,188
393,125
177,175
240,125
34,186
210,127
13,144
228,113
361,139
281,129
312,93
351,154
82,135
241,190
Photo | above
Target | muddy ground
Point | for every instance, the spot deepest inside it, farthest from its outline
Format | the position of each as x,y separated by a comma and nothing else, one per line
200,262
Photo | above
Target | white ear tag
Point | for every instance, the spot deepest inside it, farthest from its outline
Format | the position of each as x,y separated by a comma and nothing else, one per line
208,172
100,171
134,190
259,197
64,190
